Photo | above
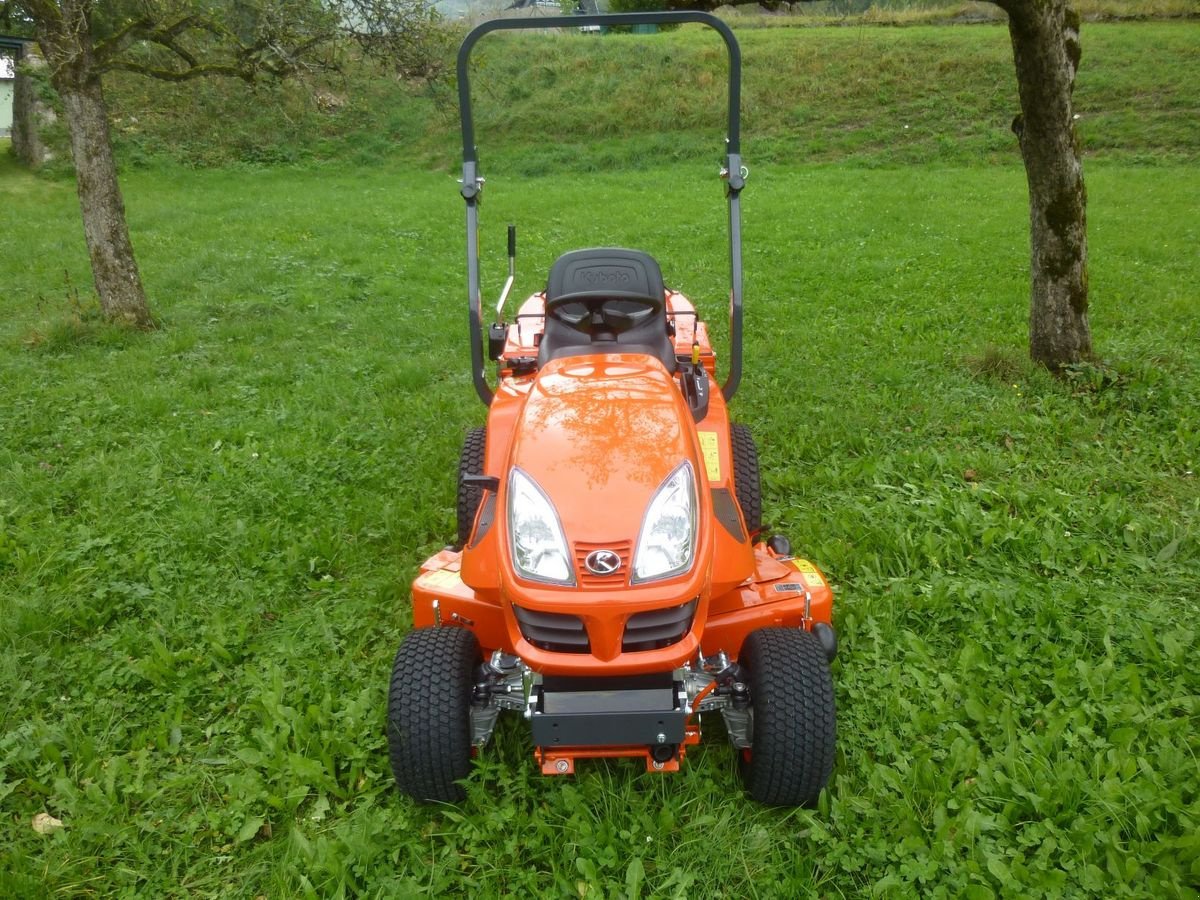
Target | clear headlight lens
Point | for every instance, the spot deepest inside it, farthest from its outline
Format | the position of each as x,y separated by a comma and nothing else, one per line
667,543
539,549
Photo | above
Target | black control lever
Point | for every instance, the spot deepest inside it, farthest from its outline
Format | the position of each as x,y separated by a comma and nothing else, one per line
694,381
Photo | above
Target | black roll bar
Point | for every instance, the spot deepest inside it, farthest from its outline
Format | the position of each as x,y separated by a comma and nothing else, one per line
733,173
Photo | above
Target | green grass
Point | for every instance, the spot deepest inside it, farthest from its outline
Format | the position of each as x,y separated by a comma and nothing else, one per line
207,535
868,96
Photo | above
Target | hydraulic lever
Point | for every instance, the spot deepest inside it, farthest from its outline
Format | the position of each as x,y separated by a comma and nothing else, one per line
512,269
498,333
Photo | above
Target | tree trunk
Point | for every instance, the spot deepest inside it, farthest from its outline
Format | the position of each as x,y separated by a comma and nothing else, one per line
1045,41
68,50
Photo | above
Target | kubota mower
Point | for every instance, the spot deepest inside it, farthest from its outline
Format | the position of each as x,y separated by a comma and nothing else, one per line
609,580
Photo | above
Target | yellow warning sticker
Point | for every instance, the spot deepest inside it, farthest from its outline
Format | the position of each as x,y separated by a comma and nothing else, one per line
712,454
809,573
442,578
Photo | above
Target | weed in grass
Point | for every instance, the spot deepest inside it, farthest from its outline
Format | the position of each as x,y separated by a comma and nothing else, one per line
68,323
998,364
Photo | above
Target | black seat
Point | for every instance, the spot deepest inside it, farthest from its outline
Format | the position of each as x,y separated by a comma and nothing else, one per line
606,300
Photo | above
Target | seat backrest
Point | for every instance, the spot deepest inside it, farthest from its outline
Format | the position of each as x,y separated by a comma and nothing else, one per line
604,272
606,300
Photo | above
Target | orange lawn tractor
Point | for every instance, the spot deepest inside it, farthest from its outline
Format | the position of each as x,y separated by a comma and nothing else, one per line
610,582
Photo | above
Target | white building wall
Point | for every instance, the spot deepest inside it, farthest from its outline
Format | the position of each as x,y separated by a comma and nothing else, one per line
6,103
7,73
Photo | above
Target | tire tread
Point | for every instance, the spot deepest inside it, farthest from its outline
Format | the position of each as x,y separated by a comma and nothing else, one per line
470,462
747,482
795,719
429,723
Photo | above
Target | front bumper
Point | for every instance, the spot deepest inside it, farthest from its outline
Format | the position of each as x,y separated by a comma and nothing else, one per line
649,710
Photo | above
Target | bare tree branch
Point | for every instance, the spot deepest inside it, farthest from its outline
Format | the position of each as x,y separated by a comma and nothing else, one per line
122,40
188,74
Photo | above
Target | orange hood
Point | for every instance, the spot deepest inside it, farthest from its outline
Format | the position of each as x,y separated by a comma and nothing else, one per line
600,434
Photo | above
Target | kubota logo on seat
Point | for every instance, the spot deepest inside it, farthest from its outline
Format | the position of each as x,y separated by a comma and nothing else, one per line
602,562
603,276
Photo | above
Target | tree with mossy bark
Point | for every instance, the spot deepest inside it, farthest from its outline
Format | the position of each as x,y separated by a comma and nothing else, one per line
1046,51
179,40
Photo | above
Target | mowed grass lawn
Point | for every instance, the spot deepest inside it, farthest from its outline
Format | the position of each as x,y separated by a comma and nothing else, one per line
207,535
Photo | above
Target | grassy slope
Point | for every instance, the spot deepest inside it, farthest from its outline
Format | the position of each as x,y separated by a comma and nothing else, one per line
207,534
871,95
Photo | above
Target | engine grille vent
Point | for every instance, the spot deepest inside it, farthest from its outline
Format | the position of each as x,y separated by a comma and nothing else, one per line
658,628
555,632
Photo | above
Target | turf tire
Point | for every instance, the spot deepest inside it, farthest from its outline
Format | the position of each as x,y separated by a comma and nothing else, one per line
429,713
470,462
795,728
747,483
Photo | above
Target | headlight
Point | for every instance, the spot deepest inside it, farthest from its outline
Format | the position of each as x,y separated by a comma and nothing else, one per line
539,550
667,543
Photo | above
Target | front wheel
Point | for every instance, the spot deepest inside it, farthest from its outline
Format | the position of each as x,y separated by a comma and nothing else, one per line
794,724
429,713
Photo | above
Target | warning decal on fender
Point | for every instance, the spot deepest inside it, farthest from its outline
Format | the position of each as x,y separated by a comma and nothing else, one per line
712,454
809,573
441,578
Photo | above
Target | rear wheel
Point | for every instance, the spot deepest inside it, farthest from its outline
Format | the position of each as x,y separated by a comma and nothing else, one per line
470,462
747,483
794,729
429,713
